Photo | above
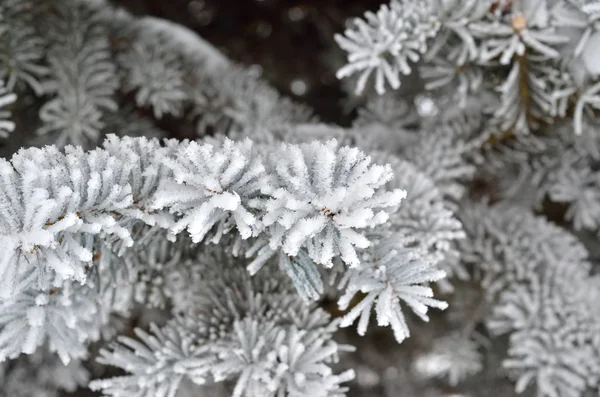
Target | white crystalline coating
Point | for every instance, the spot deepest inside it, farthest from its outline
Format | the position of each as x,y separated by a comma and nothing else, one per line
213,186
54,218
323,199
591,55
6,99
390,276
53,213
274,346
543,50
64,320
386,43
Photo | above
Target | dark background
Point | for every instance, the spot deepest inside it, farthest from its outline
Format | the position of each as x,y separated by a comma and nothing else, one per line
291,40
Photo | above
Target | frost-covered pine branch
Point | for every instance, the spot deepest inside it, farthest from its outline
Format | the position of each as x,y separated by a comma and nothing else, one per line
156,75
62,208
269,345
391,276
6,99
237,261
536,274
322,197
82,78
21,47
543,51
